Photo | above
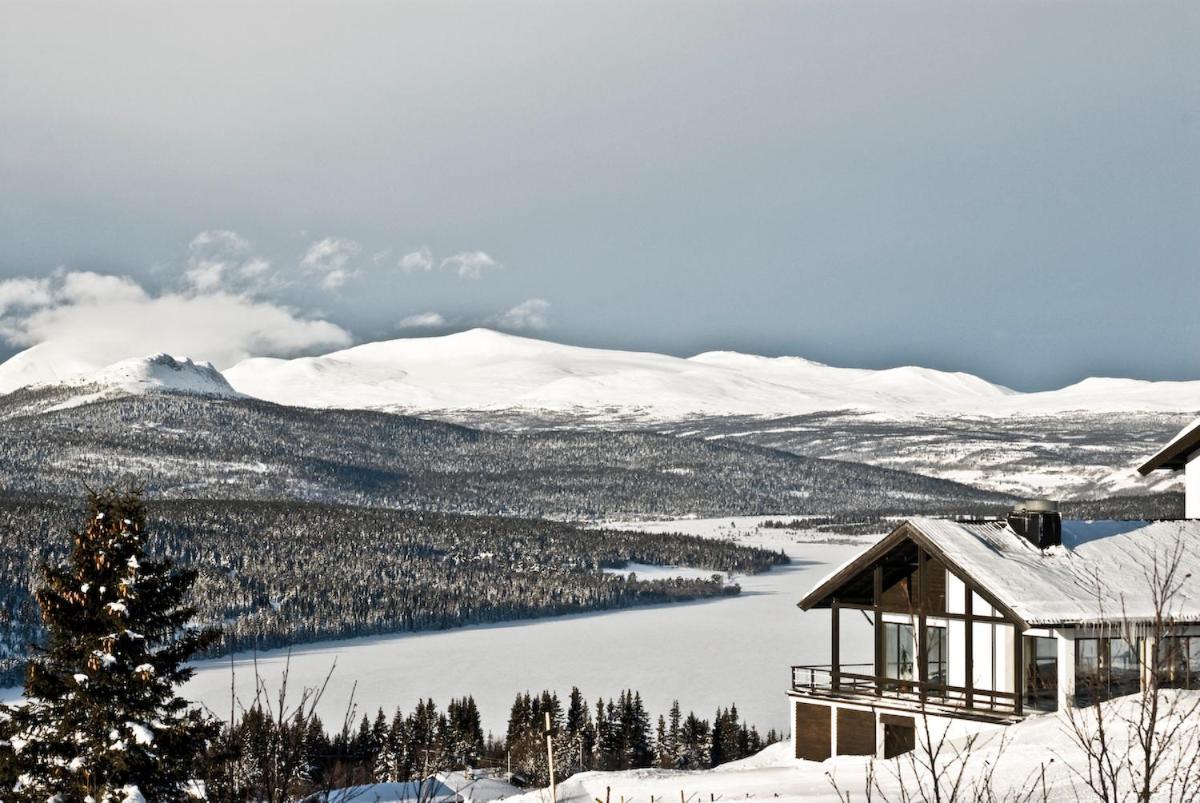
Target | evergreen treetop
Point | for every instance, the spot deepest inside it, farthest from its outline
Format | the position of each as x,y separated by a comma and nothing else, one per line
101,720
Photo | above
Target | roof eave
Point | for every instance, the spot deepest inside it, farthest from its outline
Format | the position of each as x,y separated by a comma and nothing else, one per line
882,546
1174,455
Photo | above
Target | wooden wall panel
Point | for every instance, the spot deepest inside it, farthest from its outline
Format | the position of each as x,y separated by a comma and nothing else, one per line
813,731
899,735
855,732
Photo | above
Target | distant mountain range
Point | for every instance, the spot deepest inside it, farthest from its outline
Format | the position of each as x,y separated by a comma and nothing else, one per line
486,370
1081,440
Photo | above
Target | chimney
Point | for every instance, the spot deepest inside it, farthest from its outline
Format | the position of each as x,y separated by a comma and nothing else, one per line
1038,522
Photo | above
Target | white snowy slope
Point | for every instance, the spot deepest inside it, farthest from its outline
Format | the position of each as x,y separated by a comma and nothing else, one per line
41,364
486,370
158,373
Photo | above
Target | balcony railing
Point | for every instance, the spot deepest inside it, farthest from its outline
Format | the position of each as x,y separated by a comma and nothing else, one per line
845,680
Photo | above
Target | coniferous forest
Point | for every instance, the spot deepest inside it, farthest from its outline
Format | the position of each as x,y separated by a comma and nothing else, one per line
275,573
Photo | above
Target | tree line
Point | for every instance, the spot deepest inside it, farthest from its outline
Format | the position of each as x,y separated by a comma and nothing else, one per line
271,754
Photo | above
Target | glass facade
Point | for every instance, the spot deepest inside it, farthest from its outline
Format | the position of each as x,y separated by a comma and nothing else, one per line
1179,662
935,655
898,651
1041,673
1105,668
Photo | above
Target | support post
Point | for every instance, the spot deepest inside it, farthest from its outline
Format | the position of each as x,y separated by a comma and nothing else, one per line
1018,671
1066,670
835,648
922,636
879,657
550,758
969,639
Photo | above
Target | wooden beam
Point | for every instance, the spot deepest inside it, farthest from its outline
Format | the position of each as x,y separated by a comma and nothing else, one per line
969,623
1018,672
835,649
879,643
922,637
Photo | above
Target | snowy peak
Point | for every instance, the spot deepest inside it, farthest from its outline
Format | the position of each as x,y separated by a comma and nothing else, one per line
160,373
156,374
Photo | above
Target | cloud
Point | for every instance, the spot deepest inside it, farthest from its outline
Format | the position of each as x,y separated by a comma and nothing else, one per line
330,258
417,261
470,264
83,288
89,320
528,315
222,259
423,320
23,292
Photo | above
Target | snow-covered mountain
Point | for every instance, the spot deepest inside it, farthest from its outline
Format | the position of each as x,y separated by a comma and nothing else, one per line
159,373
1079,441
482,370
155,374
486,370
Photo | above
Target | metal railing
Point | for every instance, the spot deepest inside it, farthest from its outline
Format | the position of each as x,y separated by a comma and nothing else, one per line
844,680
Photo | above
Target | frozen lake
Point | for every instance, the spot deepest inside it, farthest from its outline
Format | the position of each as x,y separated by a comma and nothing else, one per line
706,654
648,571
736,649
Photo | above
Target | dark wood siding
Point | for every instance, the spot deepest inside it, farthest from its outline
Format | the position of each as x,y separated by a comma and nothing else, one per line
897,597
813,731
899,736
855,732
935,580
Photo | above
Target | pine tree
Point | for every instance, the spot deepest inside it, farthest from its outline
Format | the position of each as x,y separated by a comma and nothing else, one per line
674,750
102,719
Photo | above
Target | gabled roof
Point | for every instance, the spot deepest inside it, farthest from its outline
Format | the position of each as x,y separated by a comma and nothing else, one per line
1176,453
1100,573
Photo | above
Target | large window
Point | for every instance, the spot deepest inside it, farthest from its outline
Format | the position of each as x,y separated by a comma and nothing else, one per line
898,651
1179,662
935,655
1041,673
1105,668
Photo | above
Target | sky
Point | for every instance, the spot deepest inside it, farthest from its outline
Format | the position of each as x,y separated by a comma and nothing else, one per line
1007,188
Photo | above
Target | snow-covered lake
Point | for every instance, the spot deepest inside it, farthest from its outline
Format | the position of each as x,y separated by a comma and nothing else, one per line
737,649
706,654
648,571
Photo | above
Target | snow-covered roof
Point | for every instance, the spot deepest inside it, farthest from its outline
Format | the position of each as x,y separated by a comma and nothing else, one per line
1176,453
1100,573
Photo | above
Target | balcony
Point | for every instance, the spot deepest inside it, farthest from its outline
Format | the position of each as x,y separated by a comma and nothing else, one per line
849,681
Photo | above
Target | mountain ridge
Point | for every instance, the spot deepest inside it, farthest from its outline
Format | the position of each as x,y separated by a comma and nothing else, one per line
481,369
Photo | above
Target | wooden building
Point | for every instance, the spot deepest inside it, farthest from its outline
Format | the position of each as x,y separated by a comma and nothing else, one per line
1178,455
976,624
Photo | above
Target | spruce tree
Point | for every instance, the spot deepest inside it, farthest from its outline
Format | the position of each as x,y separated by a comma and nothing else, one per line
101,719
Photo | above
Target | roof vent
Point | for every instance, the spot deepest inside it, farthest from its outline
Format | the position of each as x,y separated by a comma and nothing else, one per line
1038,522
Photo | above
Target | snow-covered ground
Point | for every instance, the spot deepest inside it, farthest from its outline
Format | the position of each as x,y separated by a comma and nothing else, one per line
1018,754
710,653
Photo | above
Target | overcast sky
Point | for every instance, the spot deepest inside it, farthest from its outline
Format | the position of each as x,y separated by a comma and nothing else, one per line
1005,188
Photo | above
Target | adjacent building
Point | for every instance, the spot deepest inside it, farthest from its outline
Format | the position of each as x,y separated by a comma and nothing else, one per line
971,624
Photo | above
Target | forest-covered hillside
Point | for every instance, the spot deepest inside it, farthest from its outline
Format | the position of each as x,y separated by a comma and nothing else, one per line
274,572
184,446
